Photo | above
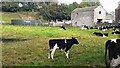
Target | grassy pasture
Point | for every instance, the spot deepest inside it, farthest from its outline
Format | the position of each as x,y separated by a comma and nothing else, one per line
28,46
7,16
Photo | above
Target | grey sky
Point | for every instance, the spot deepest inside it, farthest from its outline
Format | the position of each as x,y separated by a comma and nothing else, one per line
109,5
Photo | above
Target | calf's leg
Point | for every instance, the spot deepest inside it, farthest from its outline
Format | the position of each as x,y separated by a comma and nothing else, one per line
67,52
49,56
115,62
53,51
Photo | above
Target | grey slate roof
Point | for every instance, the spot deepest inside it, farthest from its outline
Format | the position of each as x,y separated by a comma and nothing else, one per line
85,9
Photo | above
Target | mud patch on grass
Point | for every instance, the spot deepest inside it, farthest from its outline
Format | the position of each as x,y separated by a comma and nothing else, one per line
8,40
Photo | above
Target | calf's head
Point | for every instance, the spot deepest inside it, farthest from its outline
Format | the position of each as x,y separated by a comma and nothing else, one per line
106,34
74,41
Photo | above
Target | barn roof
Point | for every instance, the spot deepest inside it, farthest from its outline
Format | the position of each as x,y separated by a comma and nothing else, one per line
85,9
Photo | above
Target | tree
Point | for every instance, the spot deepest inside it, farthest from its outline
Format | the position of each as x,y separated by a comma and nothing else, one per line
89,4
13,6
9,6
55,12
73,6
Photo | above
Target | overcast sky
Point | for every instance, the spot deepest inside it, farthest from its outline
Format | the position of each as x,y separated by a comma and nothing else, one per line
109,5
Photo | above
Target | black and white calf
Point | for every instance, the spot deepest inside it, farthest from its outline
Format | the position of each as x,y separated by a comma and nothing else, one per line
104,28
84,27
61,44
62,27
115,31
101,34
113,48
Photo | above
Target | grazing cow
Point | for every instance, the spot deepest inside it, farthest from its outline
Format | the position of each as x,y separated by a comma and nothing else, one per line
100,34
61,44
103,28
62,27
116,32
117,26
91,27
113,47
84,27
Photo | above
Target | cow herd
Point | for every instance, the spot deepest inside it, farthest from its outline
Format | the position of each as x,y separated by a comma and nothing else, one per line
112,47
104,28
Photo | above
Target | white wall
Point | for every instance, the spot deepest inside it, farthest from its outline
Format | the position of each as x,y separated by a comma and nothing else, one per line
99,16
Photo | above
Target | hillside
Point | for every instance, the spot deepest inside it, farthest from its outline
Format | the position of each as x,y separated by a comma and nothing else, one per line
7,16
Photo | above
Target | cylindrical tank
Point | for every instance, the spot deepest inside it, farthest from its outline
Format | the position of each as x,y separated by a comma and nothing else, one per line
117,13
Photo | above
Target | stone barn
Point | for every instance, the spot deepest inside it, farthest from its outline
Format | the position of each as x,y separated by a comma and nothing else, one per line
89,16
117,14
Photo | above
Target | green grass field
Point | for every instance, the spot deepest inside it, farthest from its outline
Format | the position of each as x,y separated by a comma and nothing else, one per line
28,46
8,16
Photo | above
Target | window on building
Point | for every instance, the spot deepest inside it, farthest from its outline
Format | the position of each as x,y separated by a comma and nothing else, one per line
75,23
77,13
99,12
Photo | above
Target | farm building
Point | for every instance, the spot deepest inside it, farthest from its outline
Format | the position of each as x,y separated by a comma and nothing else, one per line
117,13
26,22
90,16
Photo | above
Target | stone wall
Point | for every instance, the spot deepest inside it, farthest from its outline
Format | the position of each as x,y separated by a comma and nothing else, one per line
26,22
80,18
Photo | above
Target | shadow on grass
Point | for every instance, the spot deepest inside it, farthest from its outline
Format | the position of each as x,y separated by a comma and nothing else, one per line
8,40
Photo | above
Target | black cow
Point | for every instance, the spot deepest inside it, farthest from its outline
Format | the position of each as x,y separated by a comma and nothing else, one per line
91,27
100,34
103,28
116,32
113,47
117,26
62,27
61,44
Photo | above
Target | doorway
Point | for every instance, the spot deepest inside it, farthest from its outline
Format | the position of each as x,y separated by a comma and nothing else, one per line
99,20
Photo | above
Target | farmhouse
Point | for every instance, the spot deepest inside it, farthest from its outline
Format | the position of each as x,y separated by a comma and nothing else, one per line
117,13
90,16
